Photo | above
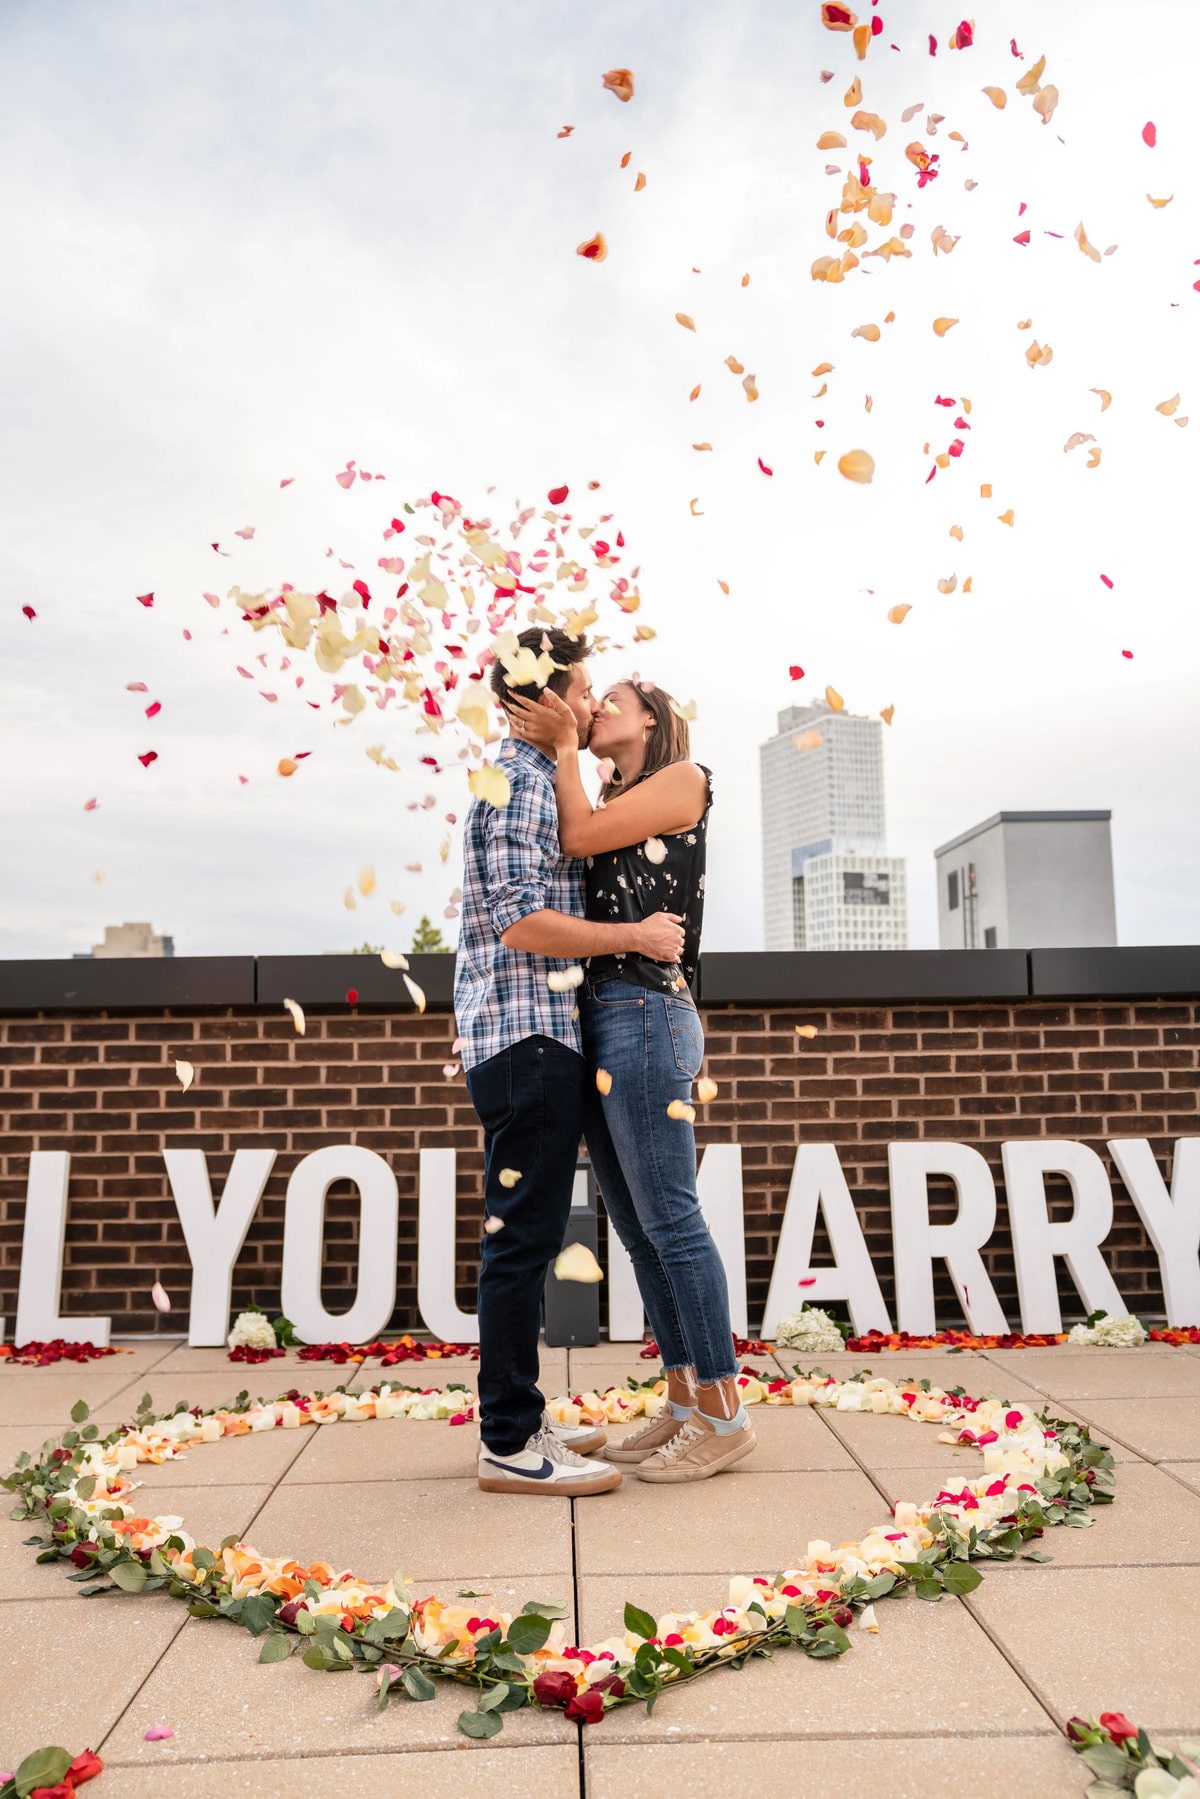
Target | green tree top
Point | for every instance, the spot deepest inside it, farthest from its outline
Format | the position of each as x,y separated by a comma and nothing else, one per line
428,939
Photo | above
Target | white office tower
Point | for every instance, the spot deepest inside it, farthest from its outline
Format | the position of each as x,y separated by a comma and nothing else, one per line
828,881
1028,880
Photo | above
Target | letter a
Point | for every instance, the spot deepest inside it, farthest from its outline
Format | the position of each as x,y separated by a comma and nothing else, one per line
818,1181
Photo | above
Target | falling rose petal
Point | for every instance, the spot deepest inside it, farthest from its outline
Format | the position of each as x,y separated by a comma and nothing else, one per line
857,465
702,446
393,958
887,713
1149,135
723,585
557,495
148,758
577,1263
681,1112
493,1224
1081,238
491,785
1006,518
286,766
1128,654
1039,356
695,393
415,993
806,1030
509,1177
833,699
838,18
762,465
997,96
366,881
750,387
290,1005
1078,437
871,333
898,614
948,585
154,709
145,599
693,510
1157,204
346,478
795,672
957,531
1022,238
160,1297
941,326
566,131
185,1074
706,1090
654,850
745,280
831,140
625,159
562,980
287,480
90,805
603,1081
1105,397
29,612
594,249
1167,407
639,184
734,366
620,83
682,318
1106,581
158,1733
807,740
246,532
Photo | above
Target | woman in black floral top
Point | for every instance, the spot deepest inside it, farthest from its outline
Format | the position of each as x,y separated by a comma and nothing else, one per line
644,851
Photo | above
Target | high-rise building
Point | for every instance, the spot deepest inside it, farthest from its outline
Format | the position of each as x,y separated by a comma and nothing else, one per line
828,881
1028,880
129,940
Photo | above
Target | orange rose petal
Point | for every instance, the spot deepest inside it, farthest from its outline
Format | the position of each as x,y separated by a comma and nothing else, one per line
620,83
898,614
681,318
857,465
886,713
595,249
941,326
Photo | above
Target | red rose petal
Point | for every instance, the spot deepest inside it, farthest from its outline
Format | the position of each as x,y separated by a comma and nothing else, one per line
145,599
762,465
148,758
352,996
1106,580
557,495
1149,135
796,672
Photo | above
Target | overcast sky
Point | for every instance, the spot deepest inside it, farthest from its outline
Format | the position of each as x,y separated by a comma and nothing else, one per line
249,241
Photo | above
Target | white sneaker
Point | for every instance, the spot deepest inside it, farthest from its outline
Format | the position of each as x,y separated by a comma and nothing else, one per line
584,1439
545,1465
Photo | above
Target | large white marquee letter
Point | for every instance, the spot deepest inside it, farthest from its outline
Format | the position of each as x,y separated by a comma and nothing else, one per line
916,1242
818,1181
40,1290
304,1246
719,1186
1036,1241
436,1252
214,1236
1172,1219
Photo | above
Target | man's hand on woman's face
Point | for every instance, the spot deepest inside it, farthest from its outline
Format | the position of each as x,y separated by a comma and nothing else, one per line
549,724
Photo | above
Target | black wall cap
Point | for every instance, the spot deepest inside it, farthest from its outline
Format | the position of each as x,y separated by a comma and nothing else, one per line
862,976
125,983
1157,968
325,980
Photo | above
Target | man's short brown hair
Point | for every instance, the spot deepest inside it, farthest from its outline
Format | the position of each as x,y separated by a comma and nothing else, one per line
565,650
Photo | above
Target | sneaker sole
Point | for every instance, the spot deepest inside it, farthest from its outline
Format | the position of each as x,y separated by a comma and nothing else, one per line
631,1456
675,1474
567,1489
589,1445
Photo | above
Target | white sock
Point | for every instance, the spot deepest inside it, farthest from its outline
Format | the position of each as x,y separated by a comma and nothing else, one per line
682,1412
725,1427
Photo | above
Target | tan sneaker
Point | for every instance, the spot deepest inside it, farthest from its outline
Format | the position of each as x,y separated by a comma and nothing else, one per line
696,1452
641,1443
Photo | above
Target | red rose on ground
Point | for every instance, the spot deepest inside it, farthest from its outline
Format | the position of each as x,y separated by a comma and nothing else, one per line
555,1687
1118,1726
86,1764
587,1708
63,1790
287,1613
82,1554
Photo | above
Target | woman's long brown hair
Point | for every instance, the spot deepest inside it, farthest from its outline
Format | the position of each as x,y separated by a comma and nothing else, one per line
670,740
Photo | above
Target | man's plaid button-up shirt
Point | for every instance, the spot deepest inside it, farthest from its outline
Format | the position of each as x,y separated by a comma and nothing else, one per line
513,865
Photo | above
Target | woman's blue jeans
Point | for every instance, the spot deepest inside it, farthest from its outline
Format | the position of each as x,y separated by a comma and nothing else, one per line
652,1044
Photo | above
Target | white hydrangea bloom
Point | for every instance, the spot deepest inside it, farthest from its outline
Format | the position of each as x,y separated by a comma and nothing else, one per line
253,1329
1109,1333
1081,1333
809,1329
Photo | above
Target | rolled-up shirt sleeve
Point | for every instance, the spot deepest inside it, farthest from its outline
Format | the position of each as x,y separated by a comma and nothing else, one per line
522,854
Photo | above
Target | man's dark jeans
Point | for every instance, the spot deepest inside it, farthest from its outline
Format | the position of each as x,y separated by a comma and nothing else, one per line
530,1103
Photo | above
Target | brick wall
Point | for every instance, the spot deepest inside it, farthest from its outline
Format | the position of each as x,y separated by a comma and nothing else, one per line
103,1086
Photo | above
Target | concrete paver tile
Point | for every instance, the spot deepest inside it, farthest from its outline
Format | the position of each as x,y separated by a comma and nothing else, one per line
166,1389
41,1395
1110,1373
1185,1471
892,1442
1162,1430
440,1526
1153,1520
387,1449
209,1513
1103,1639
862,1766
545,1772
71,1667
789,1439
234,1461
926,1660
220,1700
738,1523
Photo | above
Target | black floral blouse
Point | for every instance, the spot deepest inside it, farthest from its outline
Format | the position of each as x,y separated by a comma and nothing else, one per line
628,885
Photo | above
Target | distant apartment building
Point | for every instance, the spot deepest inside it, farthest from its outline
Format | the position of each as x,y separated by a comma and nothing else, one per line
129,940
828,881
1028,880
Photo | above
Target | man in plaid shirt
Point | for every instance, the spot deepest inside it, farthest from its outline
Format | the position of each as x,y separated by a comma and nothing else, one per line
522,921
